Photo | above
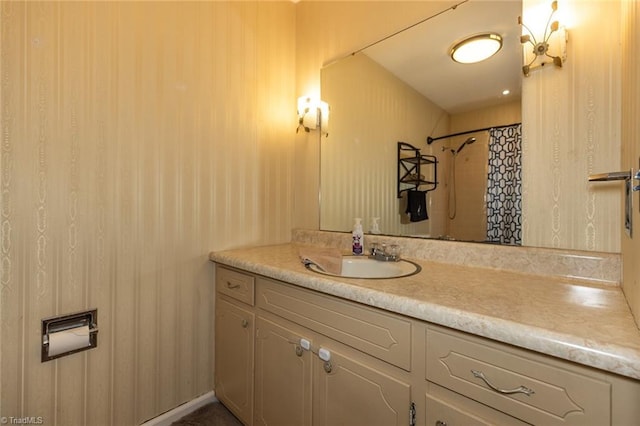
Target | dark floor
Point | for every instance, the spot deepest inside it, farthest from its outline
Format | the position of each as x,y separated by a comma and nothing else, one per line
214,414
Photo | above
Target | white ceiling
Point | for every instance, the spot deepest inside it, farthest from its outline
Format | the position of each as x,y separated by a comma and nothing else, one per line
420,55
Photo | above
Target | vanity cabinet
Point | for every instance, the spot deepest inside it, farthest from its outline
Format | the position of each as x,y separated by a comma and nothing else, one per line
234,342
308,370
531,388
322,360
355,389
294,386
446,408
283,374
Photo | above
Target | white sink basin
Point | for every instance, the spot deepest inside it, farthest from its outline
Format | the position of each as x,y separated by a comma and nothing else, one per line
363,267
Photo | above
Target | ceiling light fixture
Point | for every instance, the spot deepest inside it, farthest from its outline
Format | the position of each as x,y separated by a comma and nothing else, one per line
476,48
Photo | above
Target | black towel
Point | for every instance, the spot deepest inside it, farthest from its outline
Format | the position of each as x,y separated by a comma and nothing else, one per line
417,206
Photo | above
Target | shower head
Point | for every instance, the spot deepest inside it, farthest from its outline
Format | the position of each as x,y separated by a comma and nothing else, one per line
465,143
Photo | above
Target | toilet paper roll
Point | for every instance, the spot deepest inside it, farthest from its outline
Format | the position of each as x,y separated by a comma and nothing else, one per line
68,340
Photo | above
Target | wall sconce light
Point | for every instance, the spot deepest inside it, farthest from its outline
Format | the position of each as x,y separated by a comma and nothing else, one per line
313,114
554,40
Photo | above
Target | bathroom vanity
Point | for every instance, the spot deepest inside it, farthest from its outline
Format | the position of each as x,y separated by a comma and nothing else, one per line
452,345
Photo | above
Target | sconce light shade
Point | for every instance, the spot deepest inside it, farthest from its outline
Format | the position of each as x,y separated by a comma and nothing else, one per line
313,114
476,48
551,49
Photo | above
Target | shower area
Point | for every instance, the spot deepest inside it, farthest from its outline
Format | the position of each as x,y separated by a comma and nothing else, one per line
481,176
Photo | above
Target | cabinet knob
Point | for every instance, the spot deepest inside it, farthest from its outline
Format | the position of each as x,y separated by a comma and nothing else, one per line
441,423
324,354
299,350
245,323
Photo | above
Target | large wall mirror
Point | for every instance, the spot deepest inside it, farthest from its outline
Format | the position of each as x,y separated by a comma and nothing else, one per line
407,88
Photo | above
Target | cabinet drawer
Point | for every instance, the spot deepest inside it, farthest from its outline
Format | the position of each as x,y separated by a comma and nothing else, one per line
441,412
444,407
377,333
533,391
437,410
235,284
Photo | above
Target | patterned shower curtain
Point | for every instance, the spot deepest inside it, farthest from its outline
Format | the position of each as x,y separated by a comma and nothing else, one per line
504,186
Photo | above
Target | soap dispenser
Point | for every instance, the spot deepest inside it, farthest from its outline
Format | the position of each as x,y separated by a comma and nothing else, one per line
375,226
357,245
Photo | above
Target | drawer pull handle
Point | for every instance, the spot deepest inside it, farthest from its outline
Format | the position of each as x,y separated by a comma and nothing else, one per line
244,323
230,285
521,389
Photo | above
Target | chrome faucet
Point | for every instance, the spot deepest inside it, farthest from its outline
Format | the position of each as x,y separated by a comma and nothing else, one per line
384,254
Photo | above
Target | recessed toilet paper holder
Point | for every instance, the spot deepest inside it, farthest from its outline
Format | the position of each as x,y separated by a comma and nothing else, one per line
69,322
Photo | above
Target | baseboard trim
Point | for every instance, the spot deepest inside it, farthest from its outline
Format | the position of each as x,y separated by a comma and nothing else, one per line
180,411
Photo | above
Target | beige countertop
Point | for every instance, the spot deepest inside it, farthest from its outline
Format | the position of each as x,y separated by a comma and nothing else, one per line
578,320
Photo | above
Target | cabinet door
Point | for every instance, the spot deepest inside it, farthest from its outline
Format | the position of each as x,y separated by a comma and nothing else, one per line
283,374
234,358
355,389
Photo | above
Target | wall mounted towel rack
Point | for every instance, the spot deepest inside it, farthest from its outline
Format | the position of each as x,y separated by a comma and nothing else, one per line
416,171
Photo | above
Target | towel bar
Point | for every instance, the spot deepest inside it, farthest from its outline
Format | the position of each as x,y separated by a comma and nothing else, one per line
627,177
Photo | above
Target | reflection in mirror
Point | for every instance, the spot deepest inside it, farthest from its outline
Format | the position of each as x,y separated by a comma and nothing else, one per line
395,91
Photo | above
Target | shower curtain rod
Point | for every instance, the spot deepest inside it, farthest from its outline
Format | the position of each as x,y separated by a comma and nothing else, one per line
430,140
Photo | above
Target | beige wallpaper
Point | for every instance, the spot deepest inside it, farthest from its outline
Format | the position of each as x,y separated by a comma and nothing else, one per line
631,144
136,137
571,128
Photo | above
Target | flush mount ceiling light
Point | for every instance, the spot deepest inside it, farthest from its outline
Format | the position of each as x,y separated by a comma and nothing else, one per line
476,48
